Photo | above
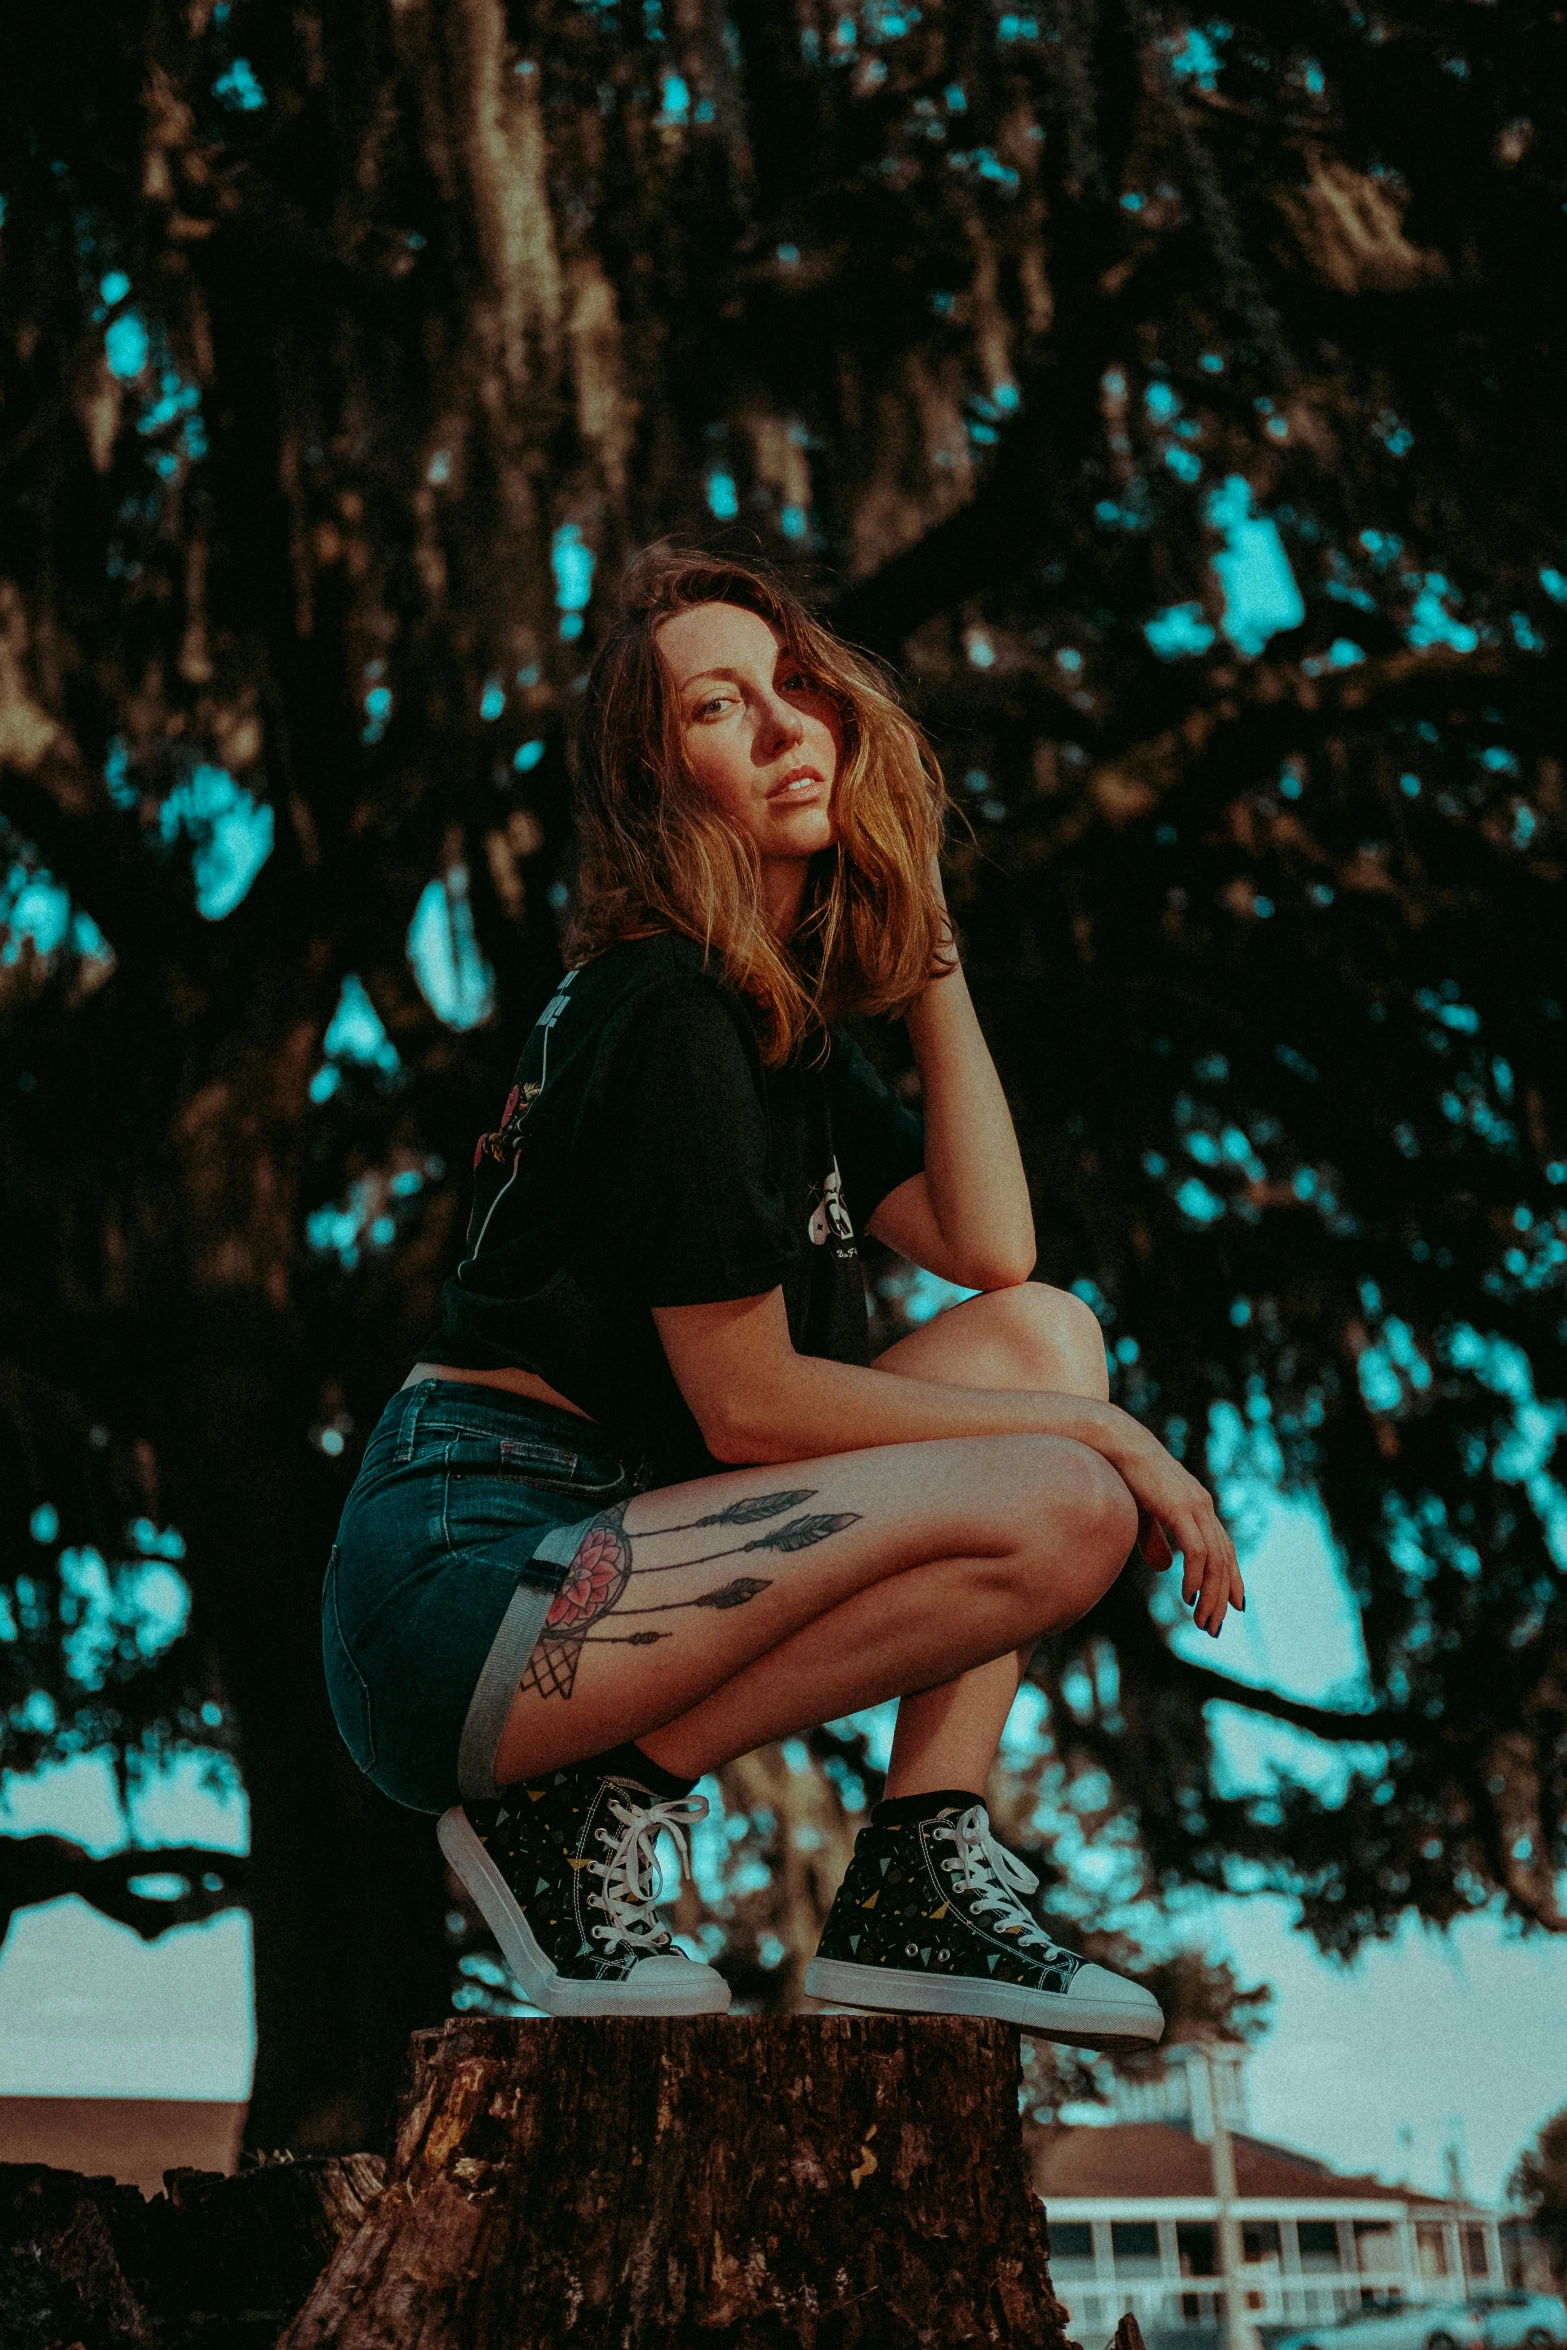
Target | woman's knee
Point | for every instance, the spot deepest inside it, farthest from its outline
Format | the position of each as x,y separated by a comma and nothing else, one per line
1057,1493
1054,1336
1074,1531
1101,1511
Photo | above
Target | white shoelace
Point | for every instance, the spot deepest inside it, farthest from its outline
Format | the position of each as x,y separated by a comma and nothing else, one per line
631,1881
993,1878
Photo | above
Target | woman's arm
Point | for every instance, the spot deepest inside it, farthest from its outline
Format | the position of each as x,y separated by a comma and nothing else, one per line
756,1400
967,1217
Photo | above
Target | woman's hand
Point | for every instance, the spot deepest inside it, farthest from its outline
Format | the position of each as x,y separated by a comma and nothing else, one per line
947,959
1176,1513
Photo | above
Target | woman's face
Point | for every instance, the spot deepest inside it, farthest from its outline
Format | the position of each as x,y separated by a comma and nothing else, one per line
758,735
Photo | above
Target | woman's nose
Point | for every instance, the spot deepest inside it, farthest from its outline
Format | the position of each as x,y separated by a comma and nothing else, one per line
783,722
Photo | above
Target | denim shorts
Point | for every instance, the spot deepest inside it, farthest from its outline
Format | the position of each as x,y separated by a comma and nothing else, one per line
468,1507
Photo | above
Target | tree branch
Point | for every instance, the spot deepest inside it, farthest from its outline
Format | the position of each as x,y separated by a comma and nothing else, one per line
44,1868
1322,1721
996,535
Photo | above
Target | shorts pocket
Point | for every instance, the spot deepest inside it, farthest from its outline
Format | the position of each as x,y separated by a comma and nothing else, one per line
345,1684
493,1488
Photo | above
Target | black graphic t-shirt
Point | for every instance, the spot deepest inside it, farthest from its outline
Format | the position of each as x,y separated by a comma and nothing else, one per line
646,1157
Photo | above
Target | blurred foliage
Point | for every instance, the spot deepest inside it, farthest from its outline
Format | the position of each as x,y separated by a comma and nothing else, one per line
1539,2183
1175,404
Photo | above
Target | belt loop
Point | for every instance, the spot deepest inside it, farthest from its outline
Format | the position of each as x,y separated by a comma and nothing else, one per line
410,1423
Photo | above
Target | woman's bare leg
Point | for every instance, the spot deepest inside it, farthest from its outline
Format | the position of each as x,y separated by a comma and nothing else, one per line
1030,1336
719,1613
947,1735
893,1635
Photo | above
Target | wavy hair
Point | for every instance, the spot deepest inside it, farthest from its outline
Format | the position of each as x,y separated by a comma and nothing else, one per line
655,852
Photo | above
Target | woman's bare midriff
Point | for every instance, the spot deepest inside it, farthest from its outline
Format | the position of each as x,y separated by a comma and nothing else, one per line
515,1382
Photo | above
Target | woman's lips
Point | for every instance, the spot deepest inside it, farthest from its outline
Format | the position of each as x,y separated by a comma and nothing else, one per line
798,785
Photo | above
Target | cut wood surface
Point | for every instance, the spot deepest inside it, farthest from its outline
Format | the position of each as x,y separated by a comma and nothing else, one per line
792,2183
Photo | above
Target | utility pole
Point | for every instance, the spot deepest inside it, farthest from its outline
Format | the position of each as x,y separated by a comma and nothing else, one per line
1239,2332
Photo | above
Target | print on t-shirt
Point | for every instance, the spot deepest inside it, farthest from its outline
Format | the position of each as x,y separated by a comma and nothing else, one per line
831,1214
502,1144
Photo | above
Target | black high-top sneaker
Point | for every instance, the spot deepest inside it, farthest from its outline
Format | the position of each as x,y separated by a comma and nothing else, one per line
565,1871
929,1919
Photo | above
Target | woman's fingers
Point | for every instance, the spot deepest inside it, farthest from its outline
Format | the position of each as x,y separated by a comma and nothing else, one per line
1214,1600
1181,1516
1193,1546
1222,1585
1210,1580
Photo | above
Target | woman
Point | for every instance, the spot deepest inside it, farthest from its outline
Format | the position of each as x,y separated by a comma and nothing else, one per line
645,1503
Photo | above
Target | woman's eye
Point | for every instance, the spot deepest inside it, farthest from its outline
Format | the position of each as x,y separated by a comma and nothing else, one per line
705,709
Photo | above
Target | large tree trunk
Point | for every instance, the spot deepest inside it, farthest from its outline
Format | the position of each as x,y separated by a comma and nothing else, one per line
819,2182
350,1950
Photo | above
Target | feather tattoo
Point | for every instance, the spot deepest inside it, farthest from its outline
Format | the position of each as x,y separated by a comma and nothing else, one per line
739,1513
733,1594
601,1572
799,1534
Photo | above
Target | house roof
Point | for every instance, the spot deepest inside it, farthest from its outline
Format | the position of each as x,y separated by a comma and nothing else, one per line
1151,2159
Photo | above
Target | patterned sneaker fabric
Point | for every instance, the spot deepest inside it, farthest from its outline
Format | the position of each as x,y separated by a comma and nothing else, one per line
940,1896
577,1851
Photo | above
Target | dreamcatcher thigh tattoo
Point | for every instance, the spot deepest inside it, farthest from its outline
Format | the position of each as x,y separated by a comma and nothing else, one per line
603,1567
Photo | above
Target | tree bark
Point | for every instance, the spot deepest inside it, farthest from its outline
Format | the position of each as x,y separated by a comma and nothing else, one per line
241,2253
215,2264
62,2272
793,2183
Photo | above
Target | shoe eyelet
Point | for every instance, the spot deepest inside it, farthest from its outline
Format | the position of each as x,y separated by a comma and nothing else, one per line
911,1950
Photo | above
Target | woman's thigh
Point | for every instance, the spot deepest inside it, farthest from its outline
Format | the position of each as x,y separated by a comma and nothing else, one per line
670,1594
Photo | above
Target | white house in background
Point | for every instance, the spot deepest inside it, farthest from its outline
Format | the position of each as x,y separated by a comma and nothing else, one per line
1134,2222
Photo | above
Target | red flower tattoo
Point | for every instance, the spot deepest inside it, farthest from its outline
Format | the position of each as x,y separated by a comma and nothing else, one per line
594,1580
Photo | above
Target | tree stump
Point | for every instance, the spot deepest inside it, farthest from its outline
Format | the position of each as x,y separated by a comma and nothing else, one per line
230,2260
215,2264
62,2267
801,2183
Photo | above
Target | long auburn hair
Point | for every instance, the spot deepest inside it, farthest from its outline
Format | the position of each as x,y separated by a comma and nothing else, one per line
655,852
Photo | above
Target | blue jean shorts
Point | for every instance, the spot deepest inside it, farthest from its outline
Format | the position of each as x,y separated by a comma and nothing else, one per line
469,1505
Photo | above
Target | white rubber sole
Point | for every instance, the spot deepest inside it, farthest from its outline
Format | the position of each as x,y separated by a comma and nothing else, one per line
1049,2015
705,1993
